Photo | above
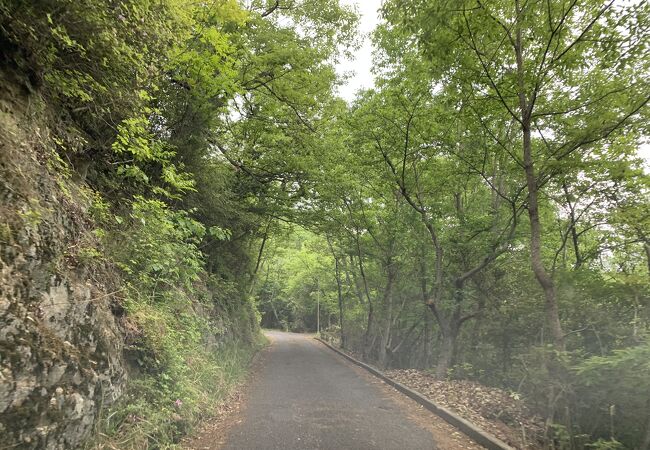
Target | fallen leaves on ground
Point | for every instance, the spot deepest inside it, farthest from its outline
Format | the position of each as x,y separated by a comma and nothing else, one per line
492,409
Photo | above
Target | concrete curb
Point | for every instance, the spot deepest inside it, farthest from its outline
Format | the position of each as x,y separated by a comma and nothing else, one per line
479,436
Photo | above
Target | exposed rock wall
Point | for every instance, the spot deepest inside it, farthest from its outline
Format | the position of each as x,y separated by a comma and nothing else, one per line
60,344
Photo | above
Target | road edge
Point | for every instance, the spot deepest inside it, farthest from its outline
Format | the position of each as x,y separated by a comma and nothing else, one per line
478,435
200,430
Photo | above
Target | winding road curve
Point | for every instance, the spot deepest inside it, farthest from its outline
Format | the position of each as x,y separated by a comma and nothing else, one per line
307,397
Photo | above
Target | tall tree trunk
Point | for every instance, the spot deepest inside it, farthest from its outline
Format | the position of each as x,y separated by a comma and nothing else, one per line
339,291
646,246
368,343
353,282
428,316
543,277
366,303
388,319
541,274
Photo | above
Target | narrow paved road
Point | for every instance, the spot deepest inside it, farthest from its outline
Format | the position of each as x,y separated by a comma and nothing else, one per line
307,397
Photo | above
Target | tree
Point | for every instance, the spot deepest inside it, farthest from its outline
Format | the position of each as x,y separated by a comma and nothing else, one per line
568,75
428,168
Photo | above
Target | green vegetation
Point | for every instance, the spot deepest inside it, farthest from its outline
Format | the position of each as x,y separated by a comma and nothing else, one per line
482,212
188,347
149,105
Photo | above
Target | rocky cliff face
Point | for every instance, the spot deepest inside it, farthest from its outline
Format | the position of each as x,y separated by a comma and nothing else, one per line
60,343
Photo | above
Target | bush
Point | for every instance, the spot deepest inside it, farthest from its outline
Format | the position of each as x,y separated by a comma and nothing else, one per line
612,394
182,363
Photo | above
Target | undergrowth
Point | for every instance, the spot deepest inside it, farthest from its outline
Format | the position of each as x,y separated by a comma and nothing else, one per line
186,348
159,409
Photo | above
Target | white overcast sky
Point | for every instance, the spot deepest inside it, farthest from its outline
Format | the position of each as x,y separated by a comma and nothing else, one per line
362,63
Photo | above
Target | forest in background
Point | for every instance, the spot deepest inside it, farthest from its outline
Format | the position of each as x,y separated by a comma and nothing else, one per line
482,212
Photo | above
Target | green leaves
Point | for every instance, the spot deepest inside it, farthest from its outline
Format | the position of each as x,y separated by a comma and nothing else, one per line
135,139
141,147
161,246
219,233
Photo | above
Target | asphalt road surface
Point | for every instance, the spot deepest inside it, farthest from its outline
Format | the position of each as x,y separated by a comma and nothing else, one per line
307,397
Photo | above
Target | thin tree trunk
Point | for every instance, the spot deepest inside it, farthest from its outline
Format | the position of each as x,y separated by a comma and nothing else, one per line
542,275
340,301
352,280
428,316
572,224
367,343
480,306
403,338
385,340
339,290
364,302
260,253
388,302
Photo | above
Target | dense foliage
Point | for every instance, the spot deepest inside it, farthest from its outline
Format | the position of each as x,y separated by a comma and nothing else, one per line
155,109
482,212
